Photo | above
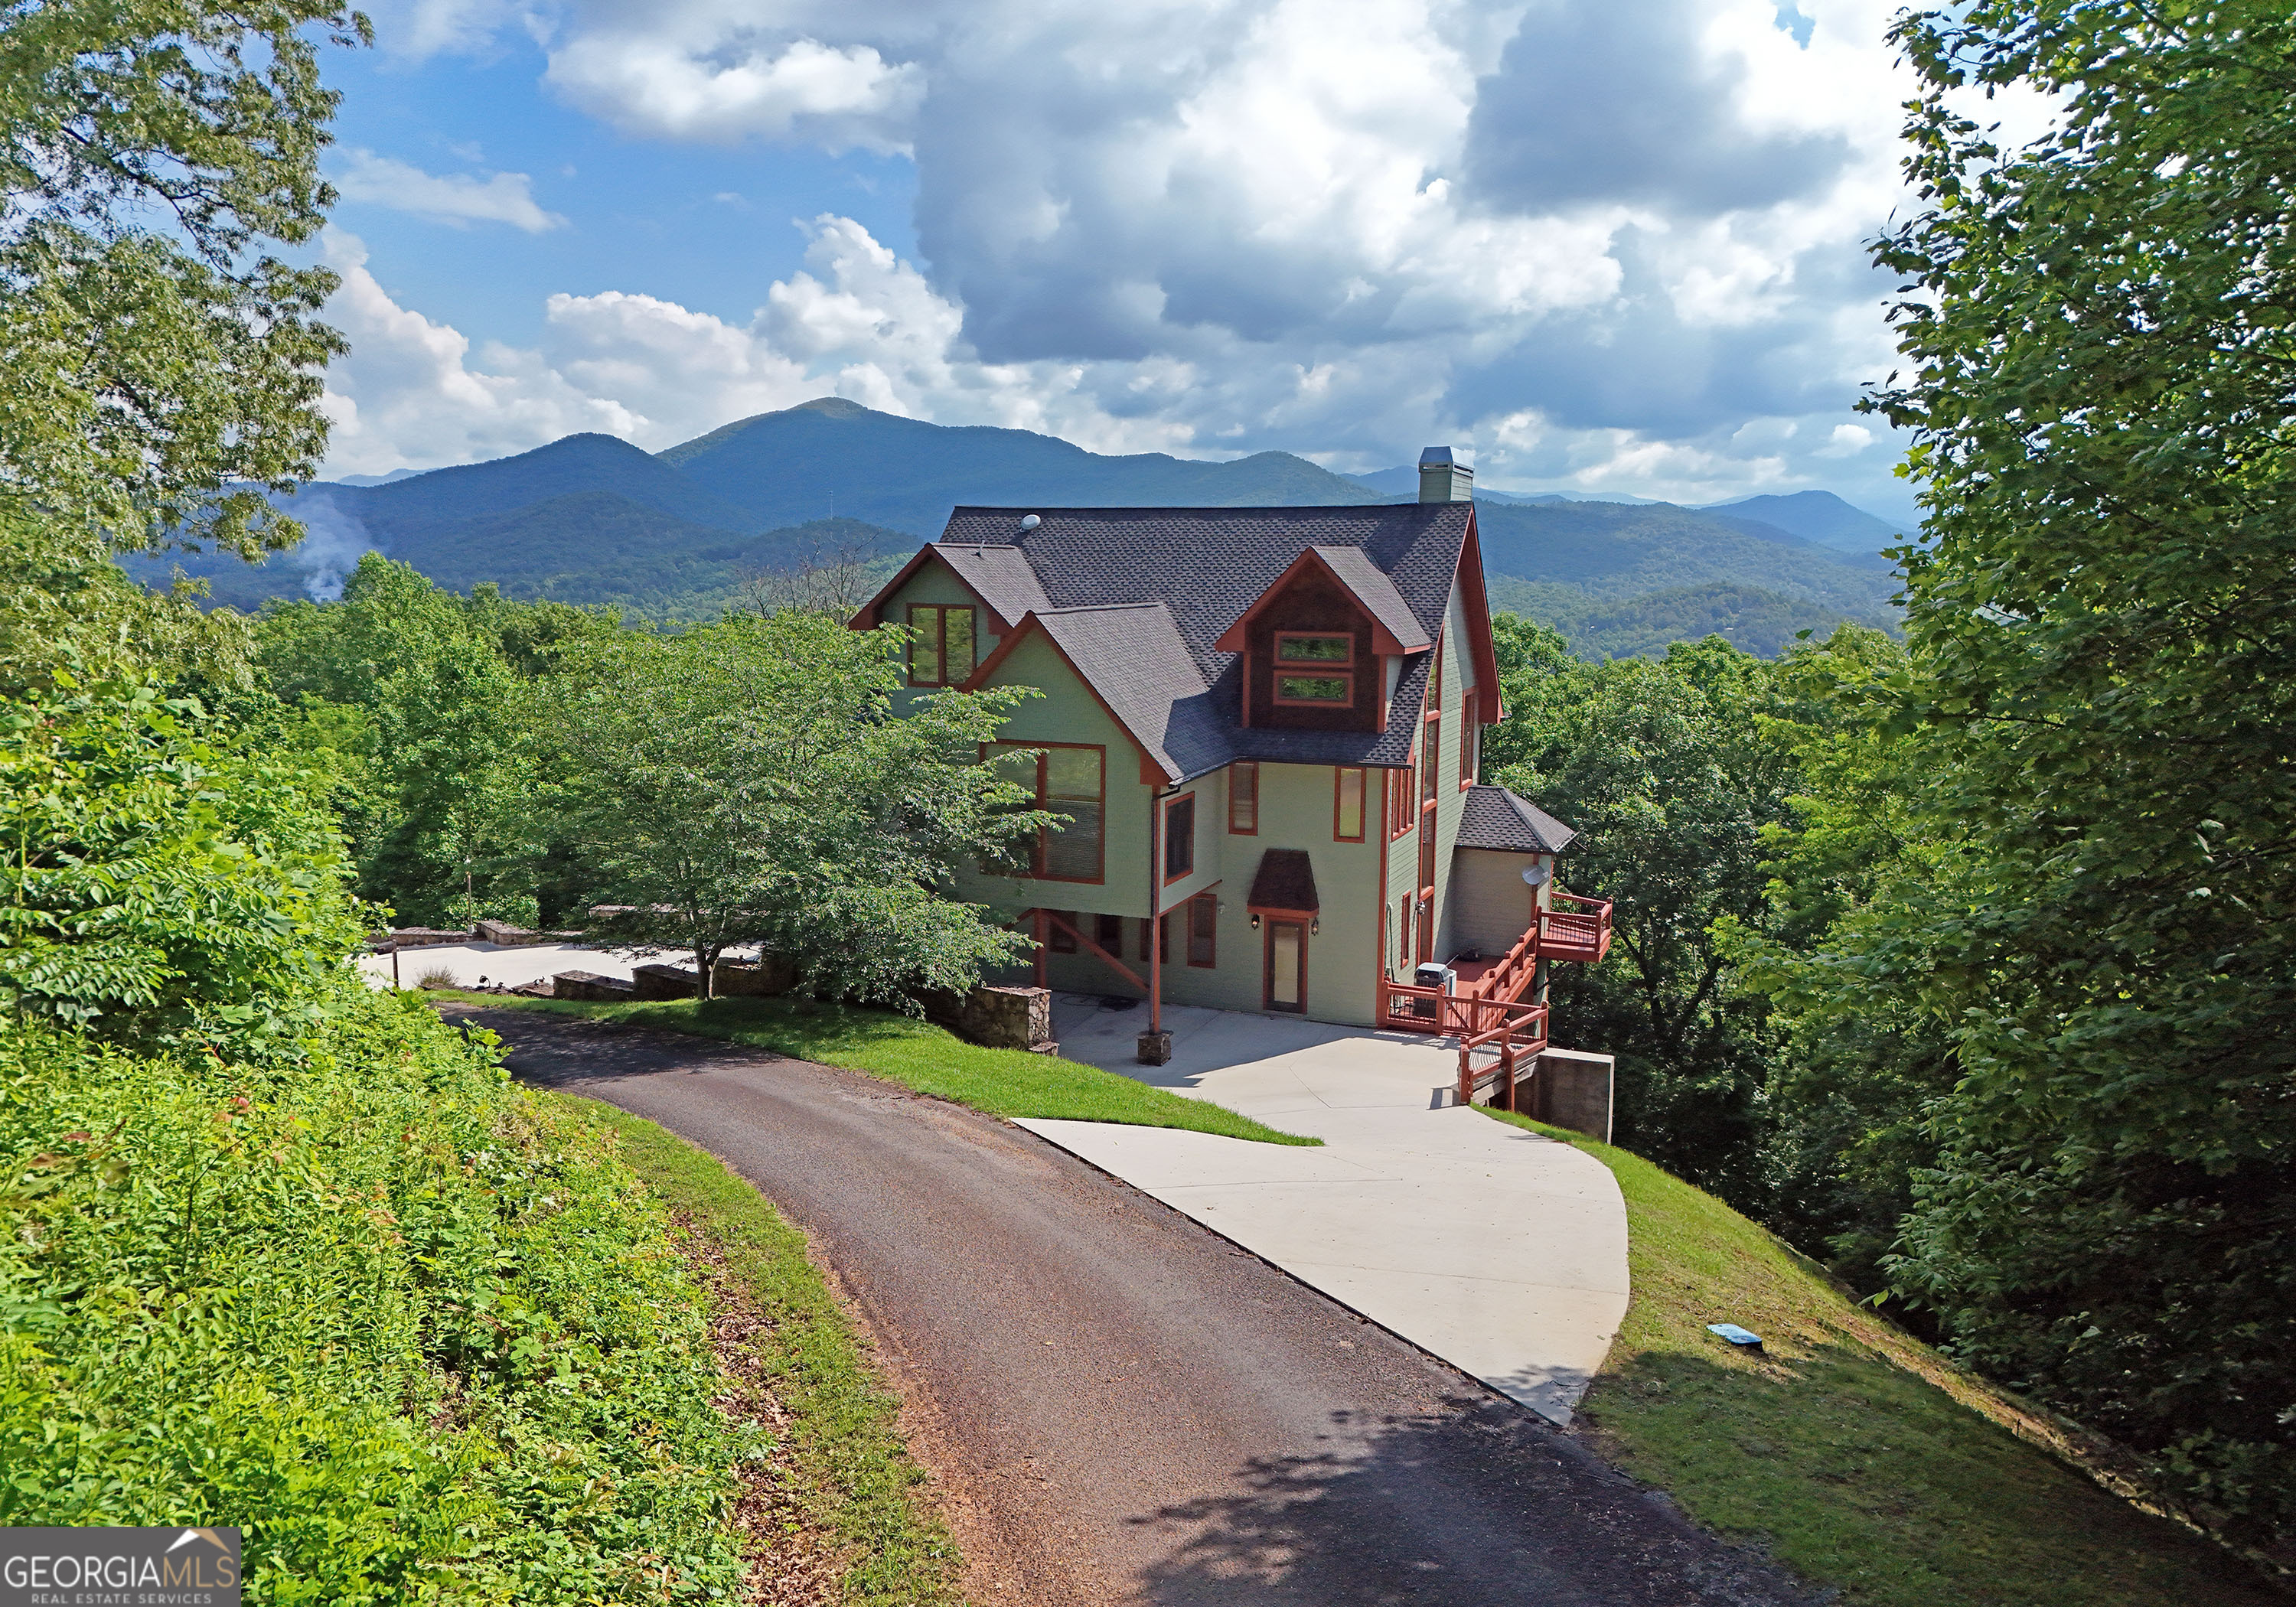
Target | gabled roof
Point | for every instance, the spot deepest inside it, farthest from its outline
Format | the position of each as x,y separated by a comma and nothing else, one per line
1394,629
998,577
1496,818
1131,655
1208,566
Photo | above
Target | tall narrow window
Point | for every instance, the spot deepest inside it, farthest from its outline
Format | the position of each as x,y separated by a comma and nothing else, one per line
1431,761
1401,815
1074,787
1179,837
1111,934
1243,798
1470,748
1347,804
1061,939
1068,781
941,651
1203,930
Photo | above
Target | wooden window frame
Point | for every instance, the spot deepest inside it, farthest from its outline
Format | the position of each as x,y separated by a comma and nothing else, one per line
1339,774
1402,798
1238,770
1470,747
1039,858
1058,939
940,612
1172,839
1346,677
1108,932
1349,637
1205,905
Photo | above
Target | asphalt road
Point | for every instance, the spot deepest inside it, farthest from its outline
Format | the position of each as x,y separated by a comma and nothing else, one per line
1120,1406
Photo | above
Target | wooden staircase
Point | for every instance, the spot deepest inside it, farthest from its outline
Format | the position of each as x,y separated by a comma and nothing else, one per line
1488,1015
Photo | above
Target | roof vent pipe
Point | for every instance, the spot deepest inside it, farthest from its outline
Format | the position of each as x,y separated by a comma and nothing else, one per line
1442,477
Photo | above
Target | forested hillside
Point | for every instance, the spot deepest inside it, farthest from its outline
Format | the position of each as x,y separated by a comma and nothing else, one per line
676,537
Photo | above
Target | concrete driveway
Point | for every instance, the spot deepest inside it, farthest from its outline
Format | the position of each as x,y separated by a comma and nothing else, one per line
1500,1252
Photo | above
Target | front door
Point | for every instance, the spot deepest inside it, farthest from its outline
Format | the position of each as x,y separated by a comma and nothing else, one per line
1287,966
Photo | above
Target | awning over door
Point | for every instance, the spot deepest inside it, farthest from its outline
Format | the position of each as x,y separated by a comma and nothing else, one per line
1284,884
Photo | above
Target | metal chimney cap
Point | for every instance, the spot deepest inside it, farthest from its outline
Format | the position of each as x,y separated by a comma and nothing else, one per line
1030,522
1440,457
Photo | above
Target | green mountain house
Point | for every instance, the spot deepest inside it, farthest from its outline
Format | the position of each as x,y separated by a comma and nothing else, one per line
1263,726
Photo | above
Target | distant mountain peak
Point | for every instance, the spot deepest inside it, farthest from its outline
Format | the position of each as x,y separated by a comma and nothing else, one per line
830,407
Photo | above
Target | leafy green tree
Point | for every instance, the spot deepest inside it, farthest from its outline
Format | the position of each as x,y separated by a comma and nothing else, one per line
2103,616
1860,1062
1666,770
157,369
159,886
747,782
418,696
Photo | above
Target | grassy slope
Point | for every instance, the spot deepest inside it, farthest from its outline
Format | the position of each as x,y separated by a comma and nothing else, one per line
1851,1451
1003,1082
853,1477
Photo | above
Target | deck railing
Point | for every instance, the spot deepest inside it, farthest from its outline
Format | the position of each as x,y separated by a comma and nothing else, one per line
1488,1015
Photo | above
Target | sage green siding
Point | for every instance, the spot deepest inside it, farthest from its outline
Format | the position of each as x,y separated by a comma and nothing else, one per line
935,582
1066,711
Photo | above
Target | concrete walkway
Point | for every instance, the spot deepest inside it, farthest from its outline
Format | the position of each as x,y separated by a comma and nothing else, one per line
470,964
1502,1252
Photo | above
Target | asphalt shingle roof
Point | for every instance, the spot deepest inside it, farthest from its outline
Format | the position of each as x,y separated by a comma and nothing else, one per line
1496,818
1001,575
1206,566
1377,594
1132,654
1285,880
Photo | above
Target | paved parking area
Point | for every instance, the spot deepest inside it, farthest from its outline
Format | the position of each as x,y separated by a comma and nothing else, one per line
1500,1252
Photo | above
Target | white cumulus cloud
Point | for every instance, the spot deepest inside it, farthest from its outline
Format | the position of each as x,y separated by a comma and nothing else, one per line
454,198
1619,245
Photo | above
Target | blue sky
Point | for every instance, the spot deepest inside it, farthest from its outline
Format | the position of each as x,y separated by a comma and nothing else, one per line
1604,247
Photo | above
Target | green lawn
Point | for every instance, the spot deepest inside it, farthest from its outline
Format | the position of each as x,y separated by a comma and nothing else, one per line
1851,1451
918,1054
843,1492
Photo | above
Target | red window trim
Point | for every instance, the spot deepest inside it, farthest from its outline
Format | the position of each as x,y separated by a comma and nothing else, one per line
1471,742
1281,636
1402,793
1172,804
1108,932
944,609
1036,873
1275,687
1238,768
1060,941
1267,968
1363,800
1209,902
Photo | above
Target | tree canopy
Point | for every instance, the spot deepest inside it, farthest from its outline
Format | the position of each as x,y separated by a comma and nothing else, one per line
2100,332
158,369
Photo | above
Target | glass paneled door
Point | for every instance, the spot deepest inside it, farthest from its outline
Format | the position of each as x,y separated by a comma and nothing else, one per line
1287,966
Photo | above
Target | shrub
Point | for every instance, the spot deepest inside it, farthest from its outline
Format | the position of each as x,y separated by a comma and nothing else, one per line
415,1331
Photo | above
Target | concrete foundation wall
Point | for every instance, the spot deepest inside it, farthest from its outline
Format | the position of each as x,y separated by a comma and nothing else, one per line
1572,1089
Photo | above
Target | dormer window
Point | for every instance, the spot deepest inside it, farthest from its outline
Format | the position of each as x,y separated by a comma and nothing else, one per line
941,651
1315,668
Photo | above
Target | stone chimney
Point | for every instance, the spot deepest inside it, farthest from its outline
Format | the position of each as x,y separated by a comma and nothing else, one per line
1443,478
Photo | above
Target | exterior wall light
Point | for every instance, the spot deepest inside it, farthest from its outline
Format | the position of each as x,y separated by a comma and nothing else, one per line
1315,924
1255,920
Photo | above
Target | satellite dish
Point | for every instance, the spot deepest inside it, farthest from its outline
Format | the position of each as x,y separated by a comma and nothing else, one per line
1538,874
1030,522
